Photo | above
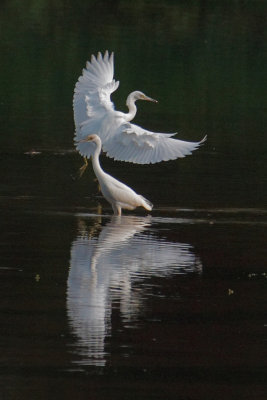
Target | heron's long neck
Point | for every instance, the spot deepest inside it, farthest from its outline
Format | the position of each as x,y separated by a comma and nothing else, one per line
96,164
130,102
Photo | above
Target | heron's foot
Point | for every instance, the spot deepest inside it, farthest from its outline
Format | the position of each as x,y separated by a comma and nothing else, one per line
83,168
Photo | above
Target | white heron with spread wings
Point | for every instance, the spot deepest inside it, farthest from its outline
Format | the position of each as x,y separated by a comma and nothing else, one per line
121,140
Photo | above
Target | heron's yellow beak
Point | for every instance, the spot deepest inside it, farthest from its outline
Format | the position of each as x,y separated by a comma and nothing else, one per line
150,99
84,140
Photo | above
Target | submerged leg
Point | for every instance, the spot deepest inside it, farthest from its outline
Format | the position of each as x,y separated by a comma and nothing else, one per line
116,209
99,209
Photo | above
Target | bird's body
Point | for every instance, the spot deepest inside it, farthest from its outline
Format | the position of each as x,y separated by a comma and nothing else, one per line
115,192
121,140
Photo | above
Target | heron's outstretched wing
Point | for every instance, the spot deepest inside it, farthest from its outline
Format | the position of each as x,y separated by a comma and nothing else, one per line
134,144
92,91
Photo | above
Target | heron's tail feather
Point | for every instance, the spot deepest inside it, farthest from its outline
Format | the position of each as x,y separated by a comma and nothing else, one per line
146,203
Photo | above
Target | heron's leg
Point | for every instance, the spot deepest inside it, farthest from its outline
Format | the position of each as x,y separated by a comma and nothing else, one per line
83,167
116,209
99,209
98,186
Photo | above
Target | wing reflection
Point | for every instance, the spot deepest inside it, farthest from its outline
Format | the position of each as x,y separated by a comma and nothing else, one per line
103,268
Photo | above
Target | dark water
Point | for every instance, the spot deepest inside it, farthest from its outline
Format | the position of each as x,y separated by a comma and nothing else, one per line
170,305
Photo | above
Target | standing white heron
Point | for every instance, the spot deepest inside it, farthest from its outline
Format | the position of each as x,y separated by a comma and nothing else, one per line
121,140
115,192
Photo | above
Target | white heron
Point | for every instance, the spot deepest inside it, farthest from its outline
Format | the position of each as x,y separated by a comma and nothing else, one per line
121,140
115,192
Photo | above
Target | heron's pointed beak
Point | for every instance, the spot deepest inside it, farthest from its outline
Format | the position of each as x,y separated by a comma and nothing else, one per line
150,99
82,141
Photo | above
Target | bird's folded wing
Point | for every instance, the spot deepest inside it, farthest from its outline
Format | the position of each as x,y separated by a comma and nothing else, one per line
96,85
134,144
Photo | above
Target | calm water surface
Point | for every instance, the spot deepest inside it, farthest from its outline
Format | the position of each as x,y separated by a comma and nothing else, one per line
170,305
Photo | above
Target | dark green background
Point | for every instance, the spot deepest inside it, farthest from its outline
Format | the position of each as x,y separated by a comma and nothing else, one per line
205,62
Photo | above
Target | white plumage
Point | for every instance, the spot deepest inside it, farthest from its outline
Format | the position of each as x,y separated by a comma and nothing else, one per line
121,140
115,192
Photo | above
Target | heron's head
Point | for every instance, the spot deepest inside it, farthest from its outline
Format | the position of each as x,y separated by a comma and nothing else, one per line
137,95
90,138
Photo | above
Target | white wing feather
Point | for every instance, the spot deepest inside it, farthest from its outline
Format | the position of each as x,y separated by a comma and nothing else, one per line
122,194
94,113
92,92
134,144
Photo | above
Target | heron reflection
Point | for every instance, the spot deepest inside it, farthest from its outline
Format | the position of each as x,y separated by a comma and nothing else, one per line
110,264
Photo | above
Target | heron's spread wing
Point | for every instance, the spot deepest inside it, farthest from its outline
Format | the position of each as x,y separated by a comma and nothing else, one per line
92,91
135,144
